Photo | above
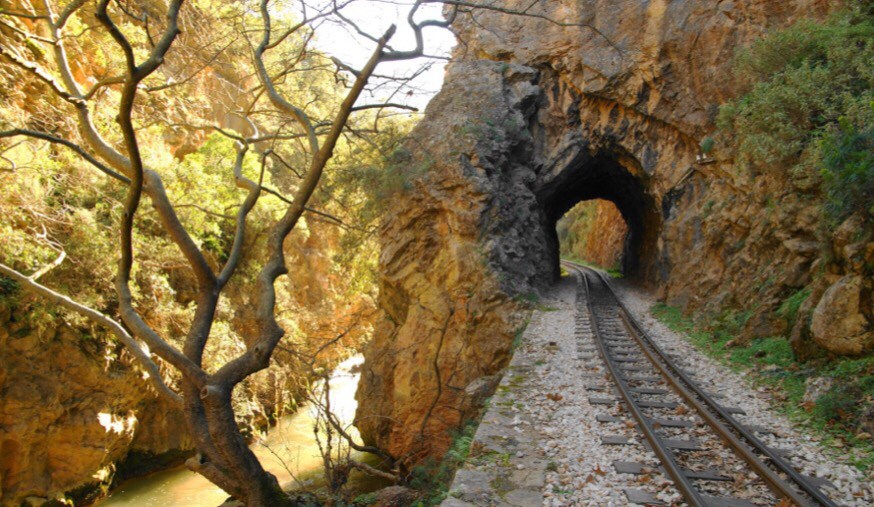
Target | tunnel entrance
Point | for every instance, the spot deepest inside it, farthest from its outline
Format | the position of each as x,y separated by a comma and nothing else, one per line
617,180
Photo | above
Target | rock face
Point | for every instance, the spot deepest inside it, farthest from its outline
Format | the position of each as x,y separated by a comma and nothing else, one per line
55,440
594,231
592,100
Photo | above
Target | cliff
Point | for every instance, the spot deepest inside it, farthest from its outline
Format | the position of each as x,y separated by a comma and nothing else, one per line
588,100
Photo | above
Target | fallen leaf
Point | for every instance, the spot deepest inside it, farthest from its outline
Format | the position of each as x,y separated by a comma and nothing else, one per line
599,471
682,410
555,396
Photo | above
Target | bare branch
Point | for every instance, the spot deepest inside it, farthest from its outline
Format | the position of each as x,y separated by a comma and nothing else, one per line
526,13
30,283
254,189
275,98
75,147
418,28
369,470
384,106
258,356
23,15
38,72
62,254
113,80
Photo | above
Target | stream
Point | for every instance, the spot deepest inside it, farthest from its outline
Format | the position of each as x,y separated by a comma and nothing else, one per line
289,447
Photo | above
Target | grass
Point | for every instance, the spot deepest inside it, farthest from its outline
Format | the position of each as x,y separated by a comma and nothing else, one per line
770,363
789,309
614,272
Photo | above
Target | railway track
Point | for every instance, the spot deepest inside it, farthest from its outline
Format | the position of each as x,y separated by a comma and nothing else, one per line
667,407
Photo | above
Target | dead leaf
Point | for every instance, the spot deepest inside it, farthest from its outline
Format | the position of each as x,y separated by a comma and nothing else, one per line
599,471
784,502
681,410
555,396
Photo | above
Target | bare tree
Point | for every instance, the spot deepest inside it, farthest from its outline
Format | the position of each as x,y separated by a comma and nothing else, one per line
223,454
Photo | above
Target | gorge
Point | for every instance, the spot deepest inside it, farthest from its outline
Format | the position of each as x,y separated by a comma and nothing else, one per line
430,241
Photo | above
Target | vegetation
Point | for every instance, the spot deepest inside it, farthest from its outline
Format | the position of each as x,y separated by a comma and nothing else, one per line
433,478
574,228
580,242
836,415
807,108
181,155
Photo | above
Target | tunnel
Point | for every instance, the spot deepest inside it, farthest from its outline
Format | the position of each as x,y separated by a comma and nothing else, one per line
612,178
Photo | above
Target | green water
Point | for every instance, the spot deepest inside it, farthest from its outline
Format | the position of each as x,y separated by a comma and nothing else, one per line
289,451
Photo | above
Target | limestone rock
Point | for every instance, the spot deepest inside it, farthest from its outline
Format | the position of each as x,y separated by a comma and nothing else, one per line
396,496
840,322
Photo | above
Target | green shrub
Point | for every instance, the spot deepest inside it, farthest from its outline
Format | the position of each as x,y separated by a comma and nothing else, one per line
365,499
789,309
807,107
848,169
8,287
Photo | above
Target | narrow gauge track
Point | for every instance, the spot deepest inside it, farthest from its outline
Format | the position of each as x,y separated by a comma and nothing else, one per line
627,349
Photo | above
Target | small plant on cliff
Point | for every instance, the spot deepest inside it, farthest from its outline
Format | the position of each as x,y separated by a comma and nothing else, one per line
707,145
434,478
790,306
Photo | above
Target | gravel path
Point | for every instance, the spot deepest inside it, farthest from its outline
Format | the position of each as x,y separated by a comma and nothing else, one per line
551,391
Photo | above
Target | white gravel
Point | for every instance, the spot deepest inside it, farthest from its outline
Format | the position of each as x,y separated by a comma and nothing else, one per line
580,470
736,389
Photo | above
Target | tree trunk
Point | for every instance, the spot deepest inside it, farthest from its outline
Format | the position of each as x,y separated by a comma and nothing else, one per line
225,458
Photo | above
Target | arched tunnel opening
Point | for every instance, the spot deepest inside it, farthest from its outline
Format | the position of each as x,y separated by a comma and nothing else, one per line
603,177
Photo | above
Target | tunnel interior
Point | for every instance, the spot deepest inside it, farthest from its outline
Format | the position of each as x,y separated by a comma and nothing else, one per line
603,176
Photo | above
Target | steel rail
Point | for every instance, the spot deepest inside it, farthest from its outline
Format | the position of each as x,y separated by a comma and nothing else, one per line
712,405
673,469
690,390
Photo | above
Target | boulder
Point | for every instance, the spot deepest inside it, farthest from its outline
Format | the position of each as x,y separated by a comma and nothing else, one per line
840,323
396,496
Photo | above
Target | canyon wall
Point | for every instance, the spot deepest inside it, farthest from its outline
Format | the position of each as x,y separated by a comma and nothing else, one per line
606,239
593,231
585,99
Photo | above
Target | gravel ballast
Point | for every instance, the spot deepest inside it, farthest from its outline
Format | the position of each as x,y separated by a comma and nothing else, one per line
544,421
